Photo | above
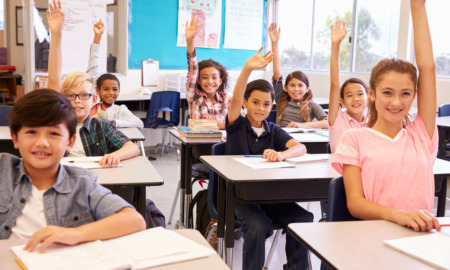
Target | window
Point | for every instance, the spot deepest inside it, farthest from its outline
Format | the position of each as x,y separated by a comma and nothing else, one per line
437,13
306,26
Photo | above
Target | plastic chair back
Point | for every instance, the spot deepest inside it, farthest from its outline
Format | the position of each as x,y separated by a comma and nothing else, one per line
272,116
444,110
217,149
163,101
4,112
337,202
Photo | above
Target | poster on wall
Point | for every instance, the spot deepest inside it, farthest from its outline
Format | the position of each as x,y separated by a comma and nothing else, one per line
209,15
243,24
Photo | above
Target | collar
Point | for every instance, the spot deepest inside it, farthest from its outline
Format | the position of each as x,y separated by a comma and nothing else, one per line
87,123
250,128
218,97
296,102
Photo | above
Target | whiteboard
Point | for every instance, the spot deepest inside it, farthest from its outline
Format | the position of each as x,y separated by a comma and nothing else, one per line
78,34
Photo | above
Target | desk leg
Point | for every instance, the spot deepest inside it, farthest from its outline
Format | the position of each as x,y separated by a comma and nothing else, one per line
229,217
221,189
188,186
442,141
442,198
142,147
141,200
181,222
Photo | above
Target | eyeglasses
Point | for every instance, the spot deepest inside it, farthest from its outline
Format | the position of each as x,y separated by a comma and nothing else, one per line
82,96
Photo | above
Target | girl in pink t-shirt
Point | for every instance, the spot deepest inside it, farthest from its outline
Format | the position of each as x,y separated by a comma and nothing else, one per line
388,167
352,94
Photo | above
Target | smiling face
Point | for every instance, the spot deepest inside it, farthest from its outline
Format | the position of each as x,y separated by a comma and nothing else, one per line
296,89
393,96
258,106
355,99
209,80
43,147
109,91
81,106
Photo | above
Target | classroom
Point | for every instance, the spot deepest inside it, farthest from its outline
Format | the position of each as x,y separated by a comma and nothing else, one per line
144,43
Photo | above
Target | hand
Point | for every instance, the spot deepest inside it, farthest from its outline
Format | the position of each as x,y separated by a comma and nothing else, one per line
109,160
338,32
259,61
53,234
272,155
220,124
55,17
99,27
191,29
297,125
419,221
274,33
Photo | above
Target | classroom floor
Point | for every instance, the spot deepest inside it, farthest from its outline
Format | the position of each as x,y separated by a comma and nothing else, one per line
169,168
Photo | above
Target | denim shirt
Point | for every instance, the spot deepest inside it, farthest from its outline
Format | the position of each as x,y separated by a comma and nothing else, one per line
74,200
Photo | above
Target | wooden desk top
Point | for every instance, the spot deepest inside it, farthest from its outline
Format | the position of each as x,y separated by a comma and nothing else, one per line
137,171
357,244
235,171
8,259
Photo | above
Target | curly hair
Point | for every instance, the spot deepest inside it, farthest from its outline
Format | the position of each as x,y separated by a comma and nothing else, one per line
305,106
378,71
222,71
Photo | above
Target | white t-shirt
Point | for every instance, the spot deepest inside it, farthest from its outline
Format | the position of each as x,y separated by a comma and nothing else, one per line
77,149
259,131
32,218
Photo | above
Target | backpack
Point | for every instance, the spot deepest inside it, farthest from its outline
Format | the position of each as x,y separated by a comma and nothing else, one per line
153,216
202,214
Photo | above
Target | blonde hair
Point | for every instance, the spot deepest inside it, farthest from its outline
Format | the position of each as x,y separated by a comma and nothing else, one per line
382,68
76,80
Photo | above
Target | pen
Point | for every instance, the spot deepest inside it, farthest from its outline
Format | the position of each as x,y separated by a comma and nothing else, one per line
83,161
254,156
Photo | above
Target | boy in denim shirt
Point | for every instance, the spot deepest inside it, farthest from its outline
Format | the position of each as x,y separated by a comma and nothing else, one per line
48,202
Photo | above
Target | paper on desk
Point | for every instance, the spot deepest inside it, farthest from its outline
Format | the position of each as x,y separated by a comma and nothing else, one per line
84,162
308,158
432,248
300,130
260,163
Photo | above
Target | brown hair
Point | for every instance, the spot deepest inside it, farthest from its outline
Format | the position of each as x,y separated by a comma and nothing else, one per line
306,99
259,85
353,80
222,71
42,108
75,80
107,76
378,71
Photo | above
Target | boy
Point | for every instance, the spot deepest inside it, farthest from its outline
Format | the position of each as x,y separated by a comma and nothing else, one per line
253,135
48,202
98,137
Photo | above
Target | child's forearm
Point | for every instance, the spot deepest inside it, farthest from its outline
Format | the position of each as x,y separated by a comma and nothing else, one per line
190,45
55,62
296,150
276,61
128,150
238,94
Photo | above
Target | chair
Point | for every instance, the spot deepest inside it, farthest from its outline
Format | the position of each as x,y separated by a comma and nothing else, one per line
4,112
272,116
444,110
337,202
165,102
219,149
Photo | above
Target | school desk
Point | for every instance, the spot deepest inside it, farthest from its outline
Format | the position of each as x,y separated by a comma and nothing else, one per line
239,184
357,244
8,259
135,135
185,177
136,172
6,144
316,143
443,124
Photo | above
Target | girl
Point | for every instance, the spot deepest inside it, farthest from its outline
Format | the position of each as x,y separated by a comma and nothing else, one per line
295,107
388,167
206,83
108,89
352,94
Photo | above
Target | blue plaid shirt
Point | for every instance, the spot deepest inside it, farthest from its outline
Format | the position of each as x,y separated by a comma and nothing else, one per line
100,137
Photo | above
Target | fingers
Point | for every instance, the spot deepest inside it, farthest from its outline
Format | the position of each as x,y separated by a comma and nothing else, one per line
271,155
259,51
109,160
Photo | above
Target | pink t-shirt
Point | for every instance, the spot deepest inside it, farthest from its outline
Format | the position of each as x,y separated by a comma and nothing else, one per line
341,124
397,172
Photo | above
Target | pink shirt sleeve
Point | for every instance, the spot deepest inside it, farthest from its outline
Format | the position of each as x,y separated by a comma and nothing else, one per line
347,152
431,144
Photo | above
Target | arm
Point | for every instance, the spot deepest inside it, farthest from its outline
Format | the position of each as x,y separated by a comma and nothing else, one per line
192,77
313,124
294,149
55,17
362,208
274,37
426,89
94,55
125,118
128,150
125,221
190,32
253,63
338,33
99,27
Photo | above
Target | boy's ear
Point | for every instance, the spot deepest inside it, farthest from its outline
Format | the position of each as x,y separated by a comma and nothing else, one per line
244,102
71,143
15,140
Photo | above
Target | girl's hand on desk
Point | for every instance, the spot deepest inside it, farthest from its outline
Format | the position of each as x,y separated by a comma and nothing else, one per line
297,125
272,155
109,160
419,221
53,234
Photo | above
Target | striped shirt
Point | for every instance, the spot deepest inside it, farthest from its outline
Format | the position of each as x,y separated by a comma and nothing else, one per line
200,106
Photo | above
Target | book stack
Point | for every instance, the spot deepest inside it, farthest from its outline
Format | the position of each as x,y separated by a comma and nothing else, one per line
201,130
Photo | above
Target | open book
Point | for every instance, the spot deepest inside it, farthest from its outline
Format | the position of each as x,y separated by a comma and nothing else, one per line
152,247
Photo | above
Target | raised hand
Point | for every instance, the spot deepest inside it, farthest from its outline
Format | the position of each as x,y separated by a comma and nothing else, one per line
191,29
258,61
338,32
274,34
99,27
55,17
